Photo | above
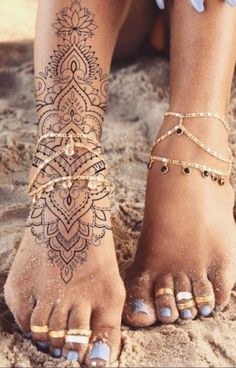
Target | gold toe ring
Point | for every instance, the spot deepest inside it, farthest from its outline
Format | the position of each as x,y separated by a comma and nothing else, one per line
57,334
204,299
164,291
187,305
79,331
39,329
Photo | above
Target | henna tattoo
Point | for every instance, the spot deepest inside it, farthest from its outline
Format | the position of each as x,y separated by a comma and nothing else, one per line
71,98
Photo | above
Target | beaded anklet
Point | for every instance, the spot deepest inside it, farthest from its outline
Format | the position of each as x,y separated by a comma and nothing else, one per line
179,129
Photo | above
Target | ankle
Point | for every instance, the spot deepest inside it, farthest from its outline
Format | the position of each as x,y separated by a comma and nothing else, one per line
179,145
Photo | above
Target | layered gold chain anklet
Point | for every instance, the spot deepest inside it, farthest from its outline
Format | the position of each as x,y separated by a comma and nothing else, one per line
70,149
179,129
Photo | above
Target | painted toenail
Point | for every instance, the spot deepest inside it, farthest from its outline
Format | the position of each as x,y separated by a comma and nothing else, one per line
205,310
165,312
231,2
56,353
27,335
72,356
42,345
139,307
101,351
186,314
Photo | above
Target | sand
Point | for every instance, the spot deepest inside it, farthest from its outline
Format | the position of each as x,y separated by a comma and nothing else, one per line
138,97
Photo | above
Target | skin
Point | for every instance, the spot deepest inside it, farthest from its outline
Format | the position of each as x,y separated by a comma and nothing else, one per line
43,287
188,238
90,297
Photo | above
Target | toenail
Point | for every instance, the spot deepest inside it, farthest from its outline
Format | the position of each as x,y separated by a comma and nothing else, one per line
139,307
186,314
42,345
205,310
165,312
27,335
56,353
101,351
72,356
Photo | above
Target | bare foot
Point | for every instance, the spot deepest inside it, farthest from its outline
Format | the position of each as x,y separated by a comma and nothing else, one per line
188,241
65,274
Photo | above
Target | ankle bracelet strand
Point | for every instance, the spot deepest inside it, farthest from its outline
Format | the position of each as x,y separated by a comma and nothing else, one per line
179,129
70,149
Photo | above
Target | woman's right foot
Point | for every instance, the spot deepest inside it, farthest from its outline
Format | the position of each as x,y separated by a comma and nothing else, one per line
65,274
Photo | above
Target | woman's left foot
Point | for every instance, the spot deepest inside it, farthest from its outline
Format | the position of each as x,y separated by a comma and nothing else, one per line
186,258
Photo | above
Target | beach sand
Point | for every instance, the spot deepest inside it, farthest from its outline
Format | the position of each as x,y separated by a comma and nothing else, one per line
137,100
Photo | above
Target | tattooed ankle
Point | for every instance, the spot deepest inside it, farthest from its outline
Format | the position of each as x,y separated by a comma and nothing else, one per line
71,98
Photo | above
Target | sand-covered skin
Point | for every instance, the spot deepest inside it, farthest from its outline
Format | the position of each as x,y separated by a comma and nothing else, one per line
138,99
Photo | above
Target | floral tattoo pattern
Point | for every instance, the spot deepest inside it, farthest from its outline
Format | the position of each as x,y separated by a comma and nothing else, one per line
71,99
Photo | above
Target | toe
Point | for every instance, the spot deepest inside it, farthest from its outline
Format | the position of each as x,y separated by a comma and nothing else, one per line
184,297
139,309
203,295
40,325
106,338
78,333
223,283
165,301
57,330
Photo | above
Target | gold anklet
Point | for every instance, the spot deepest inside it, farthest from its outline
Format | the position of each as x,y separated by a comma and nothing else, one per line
179,129
93,182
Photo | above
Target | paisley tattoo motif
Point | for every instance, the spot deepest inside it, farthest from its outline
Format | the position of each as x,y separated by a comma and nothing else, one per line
71,99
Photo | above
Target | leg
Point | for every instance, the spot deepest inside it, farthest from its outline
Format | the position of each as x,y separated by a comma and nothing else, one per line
134,31
188,237
65,274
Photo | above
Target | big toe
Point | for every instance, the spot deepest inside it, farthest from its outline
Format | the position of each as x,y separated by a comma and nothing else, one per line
139,309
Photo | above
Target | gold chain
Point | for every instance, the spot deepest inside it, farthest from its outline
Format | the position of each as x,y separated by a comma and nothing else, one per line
70,149
179,129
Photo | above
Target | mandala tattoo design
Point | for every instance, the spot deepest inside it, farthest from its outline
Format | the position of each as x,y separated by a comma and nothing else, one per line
71,98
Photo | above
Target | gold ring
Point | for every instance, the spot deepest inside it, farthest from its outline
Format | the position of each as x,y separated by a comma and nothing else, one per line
57,334
39,329
79,331
164,291
186,305
204,299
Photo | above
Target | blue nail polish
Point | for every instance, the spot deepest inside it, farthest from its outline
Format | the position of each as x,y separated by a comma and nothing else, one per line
139,306
198,5
165,312
231,2
205,310
161,4
73,356
42,345
56,353
101,351
186,314
27,335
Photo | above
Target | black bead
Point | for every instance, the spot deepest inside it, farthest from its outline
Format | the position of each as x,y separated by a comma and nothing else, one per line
221,181
206,173
214,177
179,131
187,170
164,169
